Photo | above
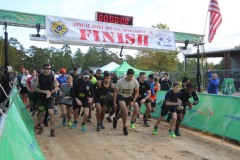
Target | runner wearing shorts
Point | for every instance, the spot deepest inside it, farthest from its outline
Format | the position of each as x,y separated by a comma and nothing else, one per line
66,101
103,88
123,92
171,102
143,98
46,86
82,94
186,93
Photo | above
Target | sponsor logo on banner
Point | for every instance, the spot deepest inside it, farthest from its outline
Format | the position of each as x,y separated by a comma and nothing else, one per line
59,28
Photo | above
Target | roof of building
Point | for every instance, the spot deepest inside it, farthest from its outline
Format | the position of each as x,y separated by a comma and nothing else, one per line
219,53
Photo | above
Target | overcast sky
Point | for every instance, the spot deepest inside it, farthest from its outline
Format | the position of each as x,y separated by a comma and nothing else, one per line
187,16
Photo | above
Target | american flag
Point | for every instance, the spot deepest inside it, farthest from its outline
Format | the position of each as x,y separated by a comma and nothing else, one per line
215,19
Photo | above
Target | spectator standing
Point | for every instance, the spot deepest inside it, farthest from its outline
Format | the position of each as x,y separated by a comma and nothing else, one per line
213,82
166,83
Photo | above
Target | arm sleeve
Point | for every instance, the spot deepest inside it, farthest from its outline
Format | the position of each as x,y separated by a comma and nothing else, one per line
209,74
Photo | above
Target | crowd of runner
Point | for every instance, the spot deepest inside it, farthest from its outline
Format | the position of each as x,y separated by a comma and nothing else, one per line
47,91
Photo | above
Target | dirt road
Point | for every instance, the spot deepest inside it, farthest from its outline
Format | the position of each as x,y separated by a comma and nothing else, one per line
140,144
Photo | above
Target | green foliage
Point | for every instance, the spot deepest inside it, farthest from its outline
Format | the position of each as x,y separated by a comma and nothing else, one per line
34,58
236,47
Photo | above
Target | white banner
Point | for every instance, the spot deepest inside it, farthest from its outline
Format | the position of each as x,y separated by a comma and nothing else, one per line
93,33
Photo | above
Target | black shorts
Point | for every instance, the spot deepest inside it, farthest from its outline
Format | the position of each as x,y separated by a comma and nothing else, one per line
68,105
45,104
85,104
127,100
139,101
166,109
153,104
102,102
182,111
24,90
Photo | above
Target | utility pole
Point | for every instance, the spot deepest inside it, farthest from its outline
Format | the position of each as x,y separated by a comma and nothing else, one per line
6,46
198,66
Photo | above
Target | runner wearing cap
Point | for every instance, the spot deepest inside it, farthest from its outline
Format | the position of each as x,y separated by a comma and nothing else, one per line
61,79
82,94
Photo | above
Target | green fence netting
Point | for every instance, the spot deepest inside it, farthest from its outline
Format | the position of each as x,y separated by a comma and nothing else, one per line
17,139
215,114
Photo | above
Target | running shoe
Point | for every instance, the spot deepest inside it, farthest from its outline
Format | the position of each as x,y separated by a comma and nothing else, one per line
84,128
172,134
69,123
52,133
146,124
102,126
155,130
109,119
64,121
132,126
177,133
98,127
74,125
114,122
125,131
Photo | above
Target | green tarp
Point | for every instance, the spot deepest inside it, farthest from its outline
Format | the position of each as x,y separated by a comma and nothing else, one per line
17,140
216,114
122,70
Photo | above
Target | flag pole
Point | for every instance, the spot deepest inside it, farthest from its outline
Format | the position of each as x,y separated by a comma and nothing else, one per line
206,19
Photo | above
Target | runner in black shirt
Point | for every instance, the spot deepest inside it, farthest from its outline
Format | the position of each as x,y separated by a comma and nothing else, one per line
46,85
165,83
186,93
143,98
171,102
75,75
82,94
103,88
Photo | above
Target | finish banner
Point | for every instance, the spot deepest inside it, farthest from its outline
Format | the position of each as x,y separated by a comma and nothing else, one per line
93,33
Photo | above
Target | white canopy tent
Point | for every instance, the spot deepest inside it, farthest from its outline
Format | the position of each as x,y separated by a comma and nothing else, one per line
109,67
